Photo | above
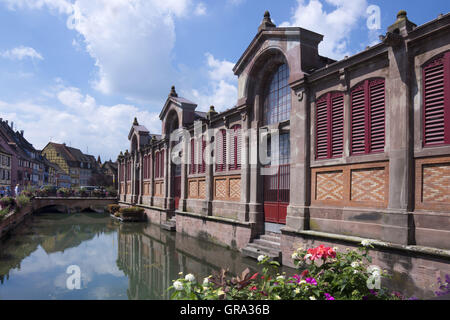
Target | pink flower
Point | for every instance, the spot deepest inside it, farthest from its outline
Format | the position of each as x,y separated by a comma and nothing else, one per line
328,297
311,281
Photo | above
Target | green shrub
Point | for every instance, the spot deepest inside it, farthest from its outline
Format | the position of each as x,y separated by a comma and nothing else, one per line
64,192
22,201
4,212
111,192
113,208
7,202
131,211
98,193
31,193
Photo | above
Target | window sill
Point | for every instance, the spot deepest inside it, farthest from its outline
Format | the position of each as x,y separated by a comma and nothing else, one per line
375,157
431,151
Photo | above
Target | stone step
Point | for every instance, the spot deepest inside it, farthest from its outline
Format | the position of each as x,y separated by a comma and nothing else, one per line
267,243
254,251
271,238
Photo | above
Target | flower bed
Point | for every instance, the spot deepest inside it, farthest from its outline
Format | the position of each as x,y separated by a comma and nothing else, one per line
132,214
324,273
113,208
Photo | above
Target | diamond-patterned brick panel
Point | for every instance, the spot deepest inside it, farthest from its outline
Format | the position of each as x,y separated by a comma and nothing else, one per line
330,186
221,188
368,185
193,189
202,189
235,188
436,183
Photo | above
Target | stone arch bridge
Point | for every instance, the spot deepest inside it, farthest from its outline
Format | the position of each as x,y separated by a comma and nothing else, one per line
72,205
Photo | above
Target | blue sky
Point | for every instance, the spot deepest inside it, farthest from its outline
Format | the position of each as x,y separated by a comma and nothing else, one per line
79,71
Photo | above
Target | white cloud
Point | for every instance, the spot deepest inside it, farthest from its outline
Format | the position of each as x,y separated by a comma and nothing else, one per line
200,10
131,41
336,25
222,89
77,119
21,53
60,6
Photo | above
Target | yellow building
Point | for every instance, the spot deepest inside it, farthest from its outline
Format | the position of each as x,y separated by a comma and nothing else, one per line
72,161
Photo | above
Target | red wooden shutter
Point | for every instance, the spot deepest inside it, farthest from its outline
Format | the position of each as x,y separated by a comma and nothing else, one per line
144,162
221,147
192,166
358,137
202,167
322,128
150,171
224,150
235,148
435,89
157,165
238,146
377,115
337,125
162,164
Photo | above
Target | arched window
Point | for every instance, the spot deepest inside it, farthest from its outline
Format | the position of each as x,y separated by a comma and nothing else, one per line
221,150
157,154
145,167
277,101
436,101
368,117
159,164
235,148
122,172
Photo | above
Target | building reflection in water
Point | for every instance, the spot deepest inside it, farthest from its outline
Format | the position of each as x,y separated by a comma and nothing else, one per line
152,258
140,264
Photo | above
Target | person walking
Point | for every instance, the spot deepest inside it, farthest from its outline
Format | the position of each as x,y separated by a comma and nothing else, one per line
17,191
2,192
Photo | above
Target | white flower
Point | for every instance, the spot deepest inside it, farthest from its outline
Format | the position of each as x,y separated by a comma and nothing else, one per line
374,270
312,298
302,282
297,291
355,271
335,249
355,264
261,258
190,277
366,243
308,256
178,285
205,281
295,256
280,277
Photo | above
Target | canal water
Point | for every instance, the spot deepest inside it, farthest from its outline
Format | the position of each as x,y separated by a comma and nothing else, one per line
116,261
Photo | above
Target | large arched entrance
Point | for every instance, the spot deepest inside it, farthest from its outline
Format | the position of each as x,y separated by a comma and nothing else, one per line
276,109
173,126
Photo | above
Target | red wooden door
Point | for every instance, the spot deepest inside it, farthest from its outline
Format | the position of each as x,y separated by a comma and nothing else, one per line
276,194
177,186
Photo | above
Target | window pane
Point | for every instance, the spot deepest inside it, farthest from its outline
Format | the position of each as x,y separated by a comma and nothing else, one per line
277,103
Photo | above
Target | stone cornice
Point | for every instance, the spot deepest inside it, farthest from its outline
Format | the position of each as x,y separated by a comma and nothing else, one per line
270,33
